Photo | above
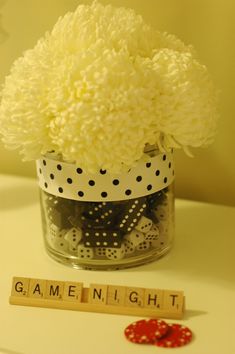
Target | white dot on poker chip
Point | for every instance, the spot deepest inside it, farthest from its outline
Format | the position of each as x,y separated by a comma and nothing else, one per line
144,205
88,243
115,243
124,221
114,234
129,229
121,225
136,202
135,220
168,343
90,212
106,214
130,210
97,234
103,203
127,216
141,209
110,211
96,220
98,243
102,216
96,209
83,217
104,234
105,243
87,233
132,224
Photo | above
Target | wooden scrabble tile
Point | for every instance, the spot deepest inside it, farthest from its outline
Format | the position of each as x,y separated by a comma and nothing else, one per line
98,294
54,289
72,291
173,301
153,298
20,286
37,288
116,295
134,297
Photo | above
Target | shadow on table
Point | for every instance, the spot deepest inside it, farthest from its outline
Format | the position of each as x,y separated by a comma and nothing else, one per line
18,196
204,248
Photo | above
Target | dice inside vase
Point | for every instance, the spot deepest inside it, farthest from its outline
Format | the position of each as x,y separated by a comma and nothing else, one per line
122,224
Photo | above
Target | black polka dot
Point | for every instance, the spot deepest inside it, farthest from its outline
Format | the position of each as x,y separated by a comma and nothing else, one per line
157,173
81,194
46,185
148,164
79,170
165,180
104,194
59,167
115,182
149,187
69,180
91,182
138,178
102,172
128,192
164,157
40,170
44,162
169,165
52,176
60,189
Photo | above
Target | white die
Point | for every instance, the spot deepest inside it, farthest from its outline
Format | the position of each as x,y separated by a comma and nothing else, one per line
143,246
85,252
115,253
60,244
153,234
135,237
100,251
129,247
144,224
73,236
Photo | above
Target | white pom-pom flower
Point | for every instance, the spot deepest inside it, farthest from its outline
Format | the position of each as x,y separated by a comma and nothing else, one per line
100,86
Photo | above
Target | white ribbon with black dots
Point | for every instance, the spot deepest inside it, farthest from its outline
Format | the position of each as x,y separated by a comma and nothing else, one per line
70,181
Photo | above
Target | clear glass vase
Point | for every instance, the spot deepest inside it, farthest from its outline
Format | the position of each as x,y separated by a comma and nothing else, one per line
107,221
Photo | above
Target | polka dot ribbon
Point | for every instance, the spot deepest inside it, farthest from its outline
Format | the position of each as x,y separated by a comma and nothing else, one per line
70,181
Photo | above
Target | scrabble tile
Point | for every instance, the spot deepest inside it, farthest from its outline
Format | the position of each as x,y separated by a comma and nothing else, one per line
37,288
54,290
98,294
134,297
173,300
20,286
72,291
116,295
153,298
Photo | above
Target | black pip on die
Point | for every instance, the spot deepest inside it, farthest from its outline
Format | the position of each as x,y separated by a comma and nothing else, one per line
106,221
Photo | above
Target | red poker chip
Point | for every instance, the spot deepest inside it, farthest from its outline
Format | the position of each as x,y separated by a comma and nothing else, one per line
176,336
146,331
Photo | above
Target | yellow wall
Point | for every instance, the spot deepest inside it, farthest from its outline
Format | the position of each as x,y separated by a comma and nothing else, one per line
207,24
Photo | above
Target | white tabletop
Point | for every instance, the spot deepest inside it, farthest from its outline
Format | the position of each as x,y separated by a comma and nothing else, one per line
202,263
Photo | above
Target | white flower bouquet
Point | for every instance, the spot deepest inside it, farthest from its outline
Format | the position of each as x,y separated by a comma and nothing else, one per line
96,92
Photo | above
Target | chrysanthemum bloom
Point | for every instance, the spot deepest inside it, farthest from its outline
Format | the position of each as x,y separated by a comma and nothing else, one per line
103,84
